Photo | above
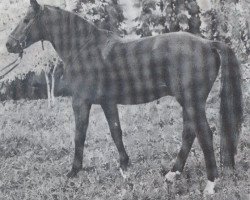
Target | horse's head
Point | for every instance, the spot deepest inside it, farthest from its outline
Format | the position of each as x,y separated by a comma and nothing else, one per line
28,31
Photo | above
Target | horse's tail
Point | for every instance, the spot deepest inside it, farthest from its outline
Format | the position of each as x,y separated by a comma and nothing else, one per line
231,104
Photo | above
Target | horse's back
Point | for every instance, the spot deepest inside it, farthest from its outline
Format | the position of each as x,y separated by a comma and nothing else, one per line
170,48
172,40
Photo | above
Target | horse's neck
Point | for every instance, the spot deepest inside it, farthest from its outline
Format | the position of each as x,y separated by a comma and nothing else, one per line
68,33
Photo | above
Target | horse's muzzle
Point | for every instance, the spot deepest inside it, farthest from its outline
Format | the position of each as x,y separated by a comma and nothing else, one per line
13,46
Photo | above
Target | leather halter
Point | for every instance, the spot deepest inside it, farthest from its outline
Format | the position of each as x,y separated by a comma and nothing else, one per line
23,42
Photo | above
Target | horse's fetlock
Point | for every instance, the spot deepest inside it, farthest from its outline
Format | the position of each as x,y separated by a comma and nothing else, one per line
210,187
171,176
74,171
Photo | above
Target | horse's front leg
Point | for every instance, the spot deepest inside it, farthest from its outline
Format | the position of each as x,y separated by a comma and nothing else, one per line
111,113
81,112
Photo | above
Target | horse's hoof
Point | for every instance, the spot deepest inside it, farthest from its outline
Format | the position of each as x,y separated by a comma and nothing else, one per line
124,173
209,189
170,176
73,173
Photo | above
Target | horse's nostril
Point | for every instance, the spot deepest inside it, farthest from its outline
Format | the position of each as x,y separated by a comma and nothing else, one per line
7,44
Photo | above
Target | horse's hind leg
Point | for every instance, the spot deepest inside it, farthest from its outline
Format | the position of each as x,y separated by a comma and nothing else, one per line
111,113
188,136
205,138
195,124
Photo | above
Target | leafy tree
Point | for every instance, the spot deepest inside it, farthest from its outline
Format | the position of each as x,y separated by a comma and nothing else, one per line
105,14
163,16
228,21
151,20
194,21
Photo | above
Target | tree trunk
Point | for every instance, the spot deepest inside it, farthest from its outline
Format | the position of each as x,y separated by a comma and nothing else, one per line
53,84
48,88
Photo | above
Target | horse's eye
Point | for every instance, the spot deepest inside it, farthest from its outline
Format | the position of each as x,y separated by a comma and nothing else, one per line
26,21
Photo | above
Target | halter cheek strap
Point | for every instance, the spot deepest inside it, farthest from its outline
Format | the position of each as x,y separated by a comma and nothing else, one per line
42,9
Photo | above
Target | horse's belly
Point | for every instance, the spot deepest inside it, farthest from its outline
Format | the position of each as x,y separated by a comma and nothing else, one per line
141,97
133,92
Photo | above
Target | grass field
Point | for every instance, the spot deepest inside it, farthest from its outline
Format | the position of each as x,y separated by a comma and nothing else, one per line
36,151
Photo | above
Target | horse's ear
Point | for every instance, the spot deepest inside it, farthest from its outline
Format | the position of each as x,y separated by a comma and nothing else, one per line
35,5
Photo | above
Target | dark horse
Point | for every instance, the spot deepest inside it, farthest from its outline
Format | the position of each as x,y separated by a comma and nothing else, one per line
102,68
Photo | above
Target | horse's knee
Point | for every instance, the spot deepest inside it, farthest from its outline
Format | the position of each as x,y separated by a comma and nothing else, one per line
115,129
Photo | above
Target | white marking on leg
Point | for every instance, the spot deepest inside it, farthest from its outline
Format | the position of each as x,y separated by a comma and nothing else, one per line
170,176
125,174
209,189
116,125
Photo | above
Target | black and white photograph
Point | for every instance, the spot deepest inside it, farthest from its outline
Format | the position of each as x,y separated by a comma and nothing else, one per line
124,99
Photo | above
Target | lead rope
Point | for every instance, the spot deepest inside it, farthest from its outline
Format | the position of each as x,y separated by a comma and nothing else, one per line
12,63
9,66
42,45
